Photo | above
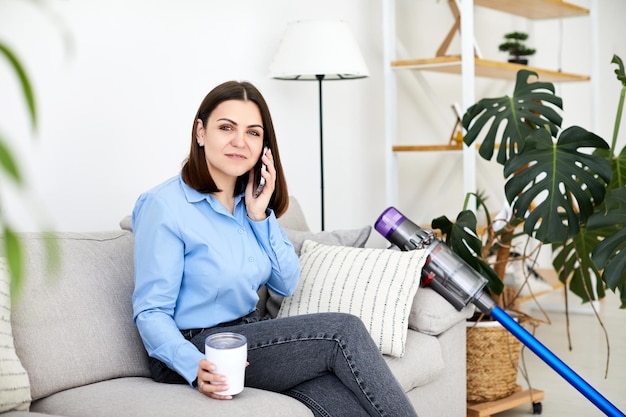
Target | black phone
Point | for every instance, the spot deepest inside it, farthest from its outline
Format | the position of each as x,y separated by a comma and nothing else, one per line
258,179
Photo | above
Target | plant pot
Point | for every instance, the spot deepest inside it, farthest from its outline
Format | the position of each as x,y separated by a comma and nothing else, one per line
492,359
522,61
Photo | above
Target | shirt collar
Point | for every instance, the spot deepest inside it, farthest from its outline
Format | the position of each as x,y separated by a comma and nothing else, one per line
194,196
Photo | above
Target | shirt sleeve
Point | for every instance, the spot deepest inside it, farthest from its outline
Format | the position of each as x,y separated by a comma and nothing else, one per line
159,257
285,263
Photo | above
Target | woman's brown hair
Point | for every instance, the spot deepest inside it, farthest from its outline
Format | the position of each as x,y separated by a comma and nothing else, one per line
195,172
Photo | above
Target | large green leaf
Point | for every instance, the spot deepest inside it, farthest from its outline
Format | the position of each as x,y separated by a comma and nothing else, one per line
515,116
573,263
556,177
610,253
462,239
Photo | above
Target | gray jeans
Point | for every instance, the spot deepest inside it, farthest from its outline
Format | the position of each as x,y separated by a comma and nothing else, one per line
328,361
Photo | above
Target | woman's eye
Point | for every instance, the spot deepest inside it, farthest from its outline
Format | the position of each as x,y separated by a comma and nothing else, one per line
254,133
226,127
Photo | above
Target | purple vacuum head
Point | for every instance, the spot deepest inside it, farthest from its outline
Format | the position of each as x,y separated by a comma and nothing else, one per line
388,222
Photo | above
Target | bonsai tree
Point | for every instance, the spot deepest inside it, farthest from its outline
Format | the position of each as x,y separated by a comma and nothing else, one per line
516,48
567,187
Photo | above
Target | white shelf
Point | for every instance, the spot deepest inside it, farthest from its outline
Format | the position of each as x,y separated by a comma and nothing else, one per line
530,9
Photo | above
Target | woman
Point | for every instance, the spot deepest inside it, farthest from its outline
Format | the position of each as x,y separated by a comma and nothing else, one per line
205,242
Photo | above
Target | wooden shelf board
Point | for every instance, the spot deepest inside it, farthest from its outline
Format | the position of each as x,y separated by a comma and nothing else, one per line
433,147
516,399
535,9
485,68
425,148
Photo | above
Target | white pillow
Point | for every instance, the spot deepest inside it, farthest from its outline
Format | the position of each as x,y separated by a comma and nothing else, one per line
377,285
14,383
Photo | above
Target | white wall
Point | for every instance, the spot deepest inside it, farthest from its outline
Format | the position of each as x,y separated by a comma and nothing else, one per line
118,83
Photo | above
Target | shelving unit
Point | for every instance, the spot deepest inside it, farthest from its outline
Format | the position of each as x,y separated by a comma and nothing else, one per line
467,65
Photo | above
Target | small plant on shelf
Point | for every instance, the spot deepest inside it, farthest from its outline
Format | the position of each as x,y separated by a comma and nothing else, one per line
516,48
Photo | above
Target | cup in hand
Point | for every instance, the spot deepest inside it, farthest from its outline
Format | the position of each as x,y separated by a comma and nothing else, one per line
229,353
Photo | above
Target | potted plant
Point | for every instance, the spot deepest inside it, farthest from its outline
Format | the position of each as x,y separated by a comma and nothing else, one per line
566,188
514,45
492,353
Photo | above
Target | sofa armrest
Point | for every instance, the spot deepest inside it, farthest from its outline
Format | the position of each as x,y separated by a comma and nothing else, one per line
432,314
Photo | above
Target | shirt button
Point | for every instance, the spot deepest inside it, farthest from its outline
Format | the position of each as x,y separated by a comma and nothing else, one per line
241,231
251,259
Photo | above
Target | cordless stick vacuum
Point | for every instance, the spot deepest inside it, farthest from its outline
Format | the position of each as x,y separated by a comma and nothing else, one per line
460,284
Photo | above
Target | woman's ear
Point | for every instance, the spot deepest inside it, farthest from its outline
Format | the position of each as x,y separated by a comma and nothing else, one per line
200,133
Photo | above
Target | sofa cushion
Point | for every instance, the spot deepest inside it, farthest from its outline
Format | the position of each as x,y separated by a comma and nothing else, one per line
142,397
14,384
432,314
73,326
377,285
354,237
29,414
421,364
294,218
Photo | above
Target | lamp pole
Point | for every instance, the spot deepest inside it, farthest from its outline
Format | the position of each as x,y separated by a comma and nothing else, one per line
320,77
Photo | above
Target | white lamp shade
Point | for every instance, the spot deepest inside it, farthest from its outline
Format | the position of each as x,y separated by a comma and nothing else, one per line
318,47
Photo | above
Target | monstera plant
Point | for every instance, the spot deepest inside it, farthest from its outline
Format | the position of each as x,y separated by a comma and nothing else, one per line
566,187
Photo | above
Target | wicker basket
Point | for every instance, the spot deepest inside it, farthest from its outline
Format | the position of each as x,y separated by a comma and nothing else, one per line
492,359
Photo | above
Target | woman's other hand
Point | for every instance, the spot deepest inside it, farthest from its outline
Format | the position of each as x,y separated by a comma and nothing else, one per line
257,207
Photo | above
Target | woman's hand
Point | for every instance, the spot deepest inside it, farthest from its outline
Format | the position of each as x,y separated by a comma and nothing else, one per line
205,379
257,207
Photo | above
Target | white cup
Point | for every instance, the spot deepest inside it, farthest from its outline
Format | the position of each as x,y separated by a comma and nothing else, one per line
229,353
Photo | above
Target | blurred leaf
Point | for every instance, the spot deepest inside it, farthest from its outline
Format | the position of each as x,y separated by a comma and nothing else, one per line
24,82
556,176
13,253
53,254
7,162
515,116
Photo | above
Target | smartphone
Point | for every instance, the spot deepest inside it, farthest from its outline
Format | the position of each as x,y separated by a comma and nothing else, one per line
261,180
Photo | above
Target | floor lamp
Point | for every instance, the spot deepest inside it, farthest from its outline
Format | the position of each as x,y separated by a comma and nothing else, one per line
318,50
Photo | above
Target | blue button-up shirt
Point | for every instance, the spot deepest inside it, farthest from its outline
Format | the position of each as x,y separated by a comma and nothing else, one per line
198,265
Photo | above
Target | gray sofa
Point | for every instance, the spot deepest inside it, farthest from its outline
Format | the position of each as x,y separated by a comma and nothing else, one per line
74,335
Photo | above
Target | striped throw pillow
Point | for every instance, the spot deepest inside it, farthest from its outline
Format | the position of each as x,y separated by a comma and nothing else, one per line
14,383
377,285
